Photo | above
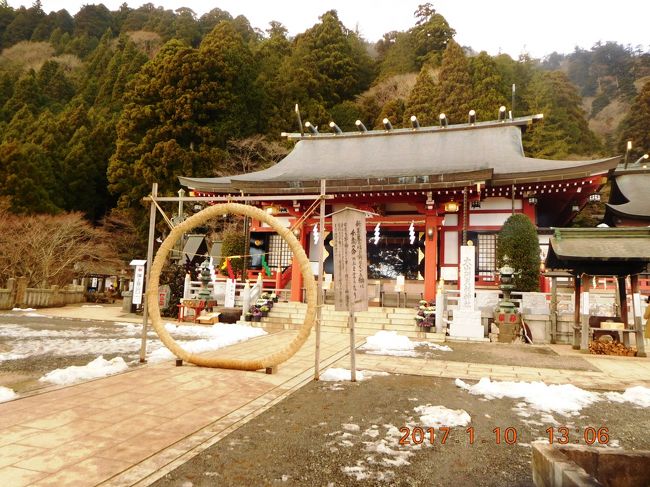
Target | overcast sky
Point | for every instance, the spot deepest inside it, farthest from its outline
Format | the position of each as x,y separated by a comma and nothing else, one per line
510,26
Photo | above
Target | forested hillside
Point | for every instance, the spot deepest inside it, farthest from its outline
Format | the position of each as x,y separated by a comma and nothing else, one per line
96,106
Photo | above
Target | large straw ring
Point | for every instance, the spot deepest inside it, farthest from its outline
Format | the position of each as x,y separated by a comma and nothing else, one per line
200,218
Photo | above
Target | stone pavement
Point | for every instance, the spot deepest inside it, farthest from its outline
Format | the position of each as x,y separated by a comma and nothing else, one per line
614,373
133,428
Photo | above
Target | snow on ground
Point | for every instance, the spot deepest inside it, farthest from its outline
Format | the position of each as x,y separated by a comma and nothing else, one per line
638,395
381,444
23,309
390,343
217,336
7,394
100,367
565,399
338,375
545,399
117,338
436,416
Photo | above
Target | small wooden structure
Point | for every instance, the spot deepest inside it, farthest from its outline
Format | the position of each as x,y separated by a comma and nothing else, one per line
587,252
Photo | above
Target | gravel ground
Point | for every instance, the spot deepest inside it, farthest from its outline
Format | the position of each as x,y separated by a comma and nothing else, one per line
324,429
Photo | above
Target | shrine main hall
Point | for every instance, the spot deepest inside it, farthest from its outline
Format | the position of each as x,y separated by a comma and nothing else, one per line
445,185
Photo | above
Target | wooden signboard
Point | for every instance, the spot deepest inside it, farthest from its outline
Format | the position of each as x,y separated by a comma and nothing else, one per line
350,260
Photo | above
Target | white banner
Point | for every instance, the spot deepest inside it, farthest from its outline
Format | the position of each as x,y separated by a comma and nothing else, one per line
138,284
231,287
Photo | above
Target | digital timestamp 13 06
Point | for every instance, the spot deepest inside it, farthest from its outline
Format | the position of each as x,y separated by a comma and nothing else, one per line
508,436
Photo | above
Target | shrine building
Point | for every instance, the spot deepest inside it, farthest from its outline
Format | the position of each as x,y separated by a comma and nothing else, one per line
445,184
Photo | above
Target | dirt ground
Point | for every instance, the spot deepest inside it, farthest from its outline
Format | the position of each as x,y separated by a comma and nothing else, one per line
322,435
510,354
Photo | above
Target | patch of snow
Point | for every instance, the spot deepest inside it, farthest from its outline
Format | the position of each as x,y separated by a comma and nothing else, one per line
7,394
358,472
218,336
92,306
565,399
99,367
435,416
337,375
23,309
639,395
390,343
351,427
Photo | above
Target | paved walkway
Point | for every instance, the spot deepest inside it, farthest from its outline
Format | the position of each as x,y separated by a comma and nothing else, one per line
614,373
133,428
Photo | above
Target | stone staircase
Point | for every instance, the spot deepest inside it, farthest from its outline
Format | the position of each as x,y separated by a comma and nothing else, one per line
290,316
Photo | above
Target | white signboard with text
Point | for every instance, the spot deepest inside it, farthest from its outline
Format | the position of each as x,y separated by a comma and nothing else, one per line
138,284
350,261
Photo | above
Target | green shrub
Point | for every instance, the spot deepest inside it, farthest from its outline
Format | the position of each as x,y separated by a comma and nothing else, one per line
518,240
234,243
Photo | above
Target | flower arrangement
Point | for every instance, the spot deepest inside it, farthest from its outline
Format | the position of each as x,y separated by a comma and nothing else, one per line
426,315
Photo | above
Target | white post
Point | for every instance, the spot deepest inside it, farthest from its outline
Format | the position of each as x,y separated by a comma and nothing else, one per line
321,300
246,298
145,311
353,357
187,284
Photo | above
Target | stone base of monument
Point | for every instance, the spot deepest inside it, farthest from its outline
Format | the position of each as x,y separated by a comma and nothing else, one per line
467,324
508,332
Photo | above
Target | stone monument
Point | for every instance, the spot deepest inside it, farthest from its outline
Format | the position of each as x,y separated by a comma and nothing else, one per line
467,320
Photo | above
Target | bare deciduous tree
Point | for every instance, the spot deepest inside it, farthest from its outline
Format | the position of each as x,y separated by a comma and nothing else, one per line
253,153
50,249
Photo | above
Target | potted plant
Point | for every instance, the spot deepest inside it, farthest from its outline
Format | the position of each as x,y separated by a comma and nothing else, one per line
256,314
274,297
264,310
248,316
426,316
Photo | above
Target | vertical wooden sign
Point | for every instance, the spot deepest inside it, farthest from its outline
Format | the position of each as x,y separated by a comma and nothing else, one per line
350,260
350,269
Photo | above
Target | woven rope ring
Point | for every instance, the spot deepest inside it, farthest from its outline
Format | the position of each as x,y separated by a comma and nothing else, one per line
200,218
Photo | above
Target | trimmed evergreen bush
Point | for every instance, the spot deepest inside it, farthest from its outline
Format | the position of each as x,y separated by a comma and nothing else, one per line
234,243
518,240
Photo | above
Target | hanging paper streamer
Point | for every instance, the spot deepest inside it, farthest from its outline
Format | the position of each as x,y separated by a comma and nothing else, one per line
226,266
376,237
315,233
267,269
412,232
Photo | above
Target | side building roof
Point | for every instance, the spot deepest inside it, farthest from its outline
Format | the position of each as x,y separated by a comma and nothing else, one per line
600,251
422,158
630,195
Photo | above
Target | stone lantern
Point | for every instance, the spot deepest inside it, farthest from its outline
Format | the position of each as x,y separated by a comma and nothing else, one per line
205,278
506,316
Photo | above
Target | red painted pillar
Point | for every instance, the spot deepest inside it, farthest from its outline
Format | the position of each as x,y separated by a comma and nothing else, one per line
430,256
296,275
529,210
